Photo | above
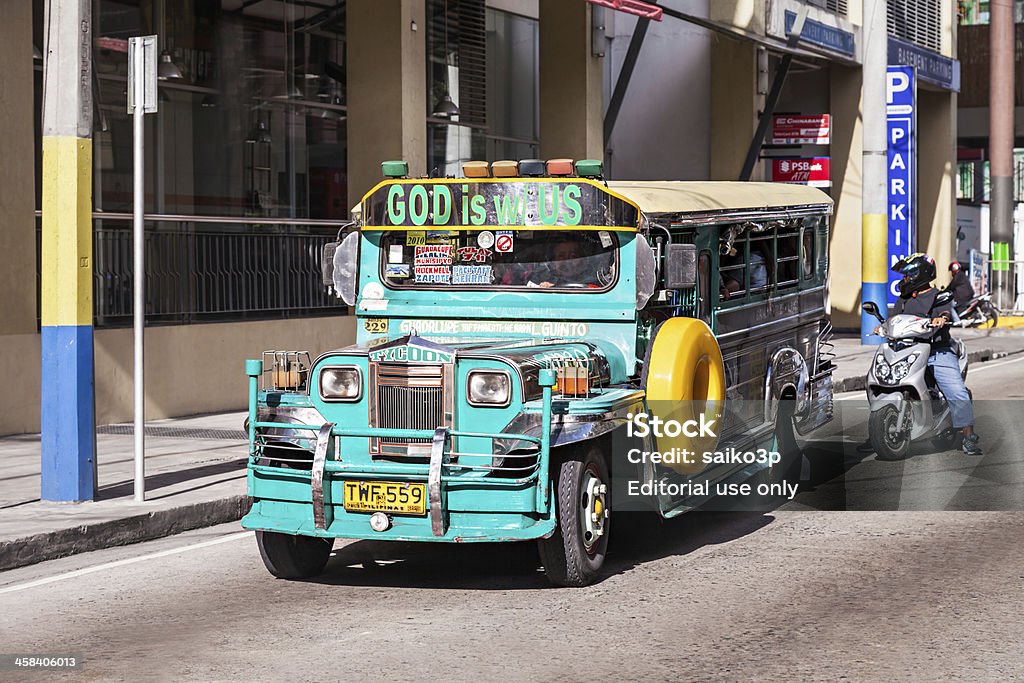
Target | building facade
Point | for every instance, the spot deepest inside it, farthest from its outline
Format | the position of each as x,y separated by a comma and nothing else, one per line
274,117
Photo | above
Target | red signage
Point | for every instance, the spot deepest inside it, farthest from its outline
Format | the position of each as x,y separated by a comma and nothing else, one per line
813,171
801,130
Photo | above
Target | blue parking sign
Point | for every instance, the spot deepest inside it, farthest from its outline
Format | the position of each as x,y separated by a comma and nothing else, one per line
901,186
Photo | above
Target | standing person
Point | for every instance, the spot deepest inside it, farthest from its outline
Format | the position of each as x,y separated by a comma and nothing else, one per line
917,297
960,285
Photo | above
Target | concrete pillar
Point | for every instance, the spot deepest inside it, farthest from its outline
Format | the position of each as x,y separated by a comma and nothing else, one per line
735,105
571,100
936,170
874,223
386,97
19,363
1000,150
66,410
847,177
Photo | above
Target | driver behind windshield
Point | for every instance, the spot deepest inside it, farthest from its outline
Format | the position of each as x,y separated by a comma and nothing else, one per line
567,267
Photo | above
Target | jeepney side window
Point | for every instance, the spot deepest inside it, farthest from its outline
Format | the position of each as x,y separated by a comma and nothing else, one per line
808,257
760,258
732,271
787,245
704,283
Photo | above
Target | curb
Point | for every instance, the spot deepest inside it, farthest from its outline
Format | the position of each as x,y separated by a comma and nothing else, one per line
51,545
858,383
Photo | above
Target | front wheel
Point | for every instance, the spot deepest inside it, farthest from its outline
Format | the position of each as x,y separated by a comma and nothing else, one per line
293,557
890,439
574,554
991,314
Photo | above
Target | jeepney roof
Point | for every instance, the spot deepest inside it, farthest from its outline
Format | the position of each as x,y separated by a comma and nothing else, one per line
664,196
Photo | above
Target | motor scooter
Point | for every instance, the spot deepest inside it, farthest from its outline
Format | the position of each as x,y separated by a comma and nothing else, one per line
906,404
979,312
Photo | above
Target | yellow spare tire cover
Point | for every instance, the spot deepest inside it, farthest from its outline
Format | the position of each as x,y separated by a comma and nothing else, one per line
685,377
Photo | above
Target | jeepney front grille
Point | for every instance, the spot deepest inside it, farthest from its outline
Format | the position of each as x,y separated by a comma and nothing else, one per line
407,396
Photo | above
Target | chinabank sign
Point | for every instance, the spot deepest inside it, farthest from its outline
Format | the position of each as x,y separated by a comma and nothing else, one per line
900,99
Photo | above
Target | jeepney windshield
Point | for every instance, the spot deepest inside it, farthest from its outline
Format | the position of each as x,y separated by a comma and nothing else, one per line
512,259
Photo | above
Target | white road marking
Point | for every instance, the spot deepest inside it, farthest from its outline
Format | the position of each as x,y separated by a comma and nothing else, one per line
121,563
978,367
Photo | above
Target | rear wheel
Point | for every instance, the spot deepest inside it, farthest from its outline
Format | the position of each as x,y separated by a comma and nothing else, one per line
293,557
890,439
574,554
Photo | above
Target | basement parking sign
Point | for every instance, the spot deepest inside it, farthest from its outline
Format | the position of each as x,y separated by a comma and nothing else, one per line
901,185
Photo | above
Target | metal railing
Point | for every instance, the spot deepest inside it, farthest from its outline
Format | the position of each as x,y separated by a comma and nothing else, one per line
211,268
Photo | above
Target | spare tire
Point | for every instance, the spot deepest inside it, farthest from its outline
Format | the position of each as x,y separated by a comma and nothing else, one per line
683,377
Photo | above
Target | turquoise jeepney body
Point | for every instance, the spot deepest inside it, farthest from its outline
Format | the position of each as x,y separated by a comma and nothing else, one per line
484,468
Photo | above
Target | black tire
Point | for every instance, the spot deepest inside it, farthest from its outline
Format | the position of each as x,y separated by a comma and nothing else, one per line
890,441
992,313
569,558
293,557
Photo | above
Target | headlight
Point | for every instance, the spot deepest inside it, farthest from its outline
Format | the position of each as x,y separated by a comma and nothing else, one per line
900,370
881,370
341,384
489,388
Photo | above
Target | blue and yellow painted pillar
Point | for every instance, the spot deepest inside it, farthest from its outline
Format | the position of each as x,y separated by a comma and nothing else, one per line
874,237
66,411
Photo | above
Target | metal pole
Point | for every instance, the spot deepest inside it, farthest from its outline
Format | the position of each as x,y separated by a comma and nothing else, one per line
874,223
139,265
1001,86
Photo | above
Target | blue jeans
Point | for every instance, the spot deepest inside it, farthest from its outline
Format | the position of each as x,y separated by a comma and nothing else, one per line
946,368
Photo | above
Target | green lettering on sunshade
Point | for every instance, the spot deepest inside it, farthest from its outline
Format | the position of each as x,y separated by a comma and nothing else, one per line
508,209
547,200
418,196
479,210
396,205
442,205
571,205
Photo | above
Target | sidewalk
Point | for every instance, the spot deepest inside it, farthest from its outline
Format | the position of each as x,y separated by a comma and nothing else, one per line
195,472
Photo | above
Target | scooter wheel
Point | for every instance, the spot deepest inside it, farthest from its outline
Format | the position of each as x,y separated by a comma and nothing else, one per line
890,439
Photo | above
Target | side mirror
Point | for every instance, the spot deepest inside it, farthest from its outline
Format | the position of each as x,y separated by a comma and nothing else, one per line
681,266
943,298
871,308
344,267
327,264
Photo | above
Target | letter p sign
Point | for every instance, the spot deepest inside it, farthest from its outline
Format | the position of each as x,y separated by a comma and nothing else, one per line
897,82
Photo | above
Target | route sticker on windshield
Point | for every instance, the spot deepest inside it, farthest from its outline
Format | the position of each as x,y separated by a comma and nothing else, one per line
397,270
434,255
471,275
503,242
606,239
474,254
415,238
433,274
396,253
485,240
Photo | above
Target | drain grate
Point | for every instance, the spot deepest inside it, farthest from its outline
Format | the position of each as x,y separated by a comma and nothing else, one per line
177,432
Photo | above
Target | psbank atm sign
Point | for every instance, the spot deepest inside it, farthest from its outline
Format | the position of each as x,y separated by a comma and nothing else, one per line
900,100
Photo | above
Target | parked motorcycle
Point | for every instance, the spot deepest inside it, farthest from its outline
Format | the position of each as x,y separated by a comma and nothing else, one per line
979,312
906,403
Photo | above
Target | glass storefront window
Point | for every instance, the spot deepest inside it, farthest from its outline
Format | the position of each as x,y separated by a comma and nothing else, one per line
490,69
255,127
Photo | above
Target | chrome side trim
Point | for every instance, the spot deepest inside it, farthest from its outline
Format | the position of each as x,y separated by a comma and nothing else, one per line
323,443
434,481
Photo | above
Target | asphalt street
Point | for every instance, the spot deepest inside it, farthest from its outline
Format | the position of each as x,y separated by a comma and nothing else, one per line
925,586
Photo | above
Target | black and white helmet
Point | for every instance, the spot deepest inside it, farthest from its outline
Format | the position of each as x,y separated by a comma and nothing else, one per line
918,271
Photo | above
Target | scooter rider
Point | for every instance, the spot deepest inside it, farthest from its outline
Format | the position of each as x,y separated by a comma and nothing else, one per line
960,285
917,297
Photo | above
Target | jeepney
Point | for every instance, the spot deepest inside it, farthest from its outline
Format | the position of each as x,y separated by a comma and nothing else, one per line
510,324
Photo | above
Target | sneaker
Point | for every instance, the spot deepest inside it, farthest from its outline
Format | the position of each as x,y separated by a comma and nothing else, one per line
970,445
865,447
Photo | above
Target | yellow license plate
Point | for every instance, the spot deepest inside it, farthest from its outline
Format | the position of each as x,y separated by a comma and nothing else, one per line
402,498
